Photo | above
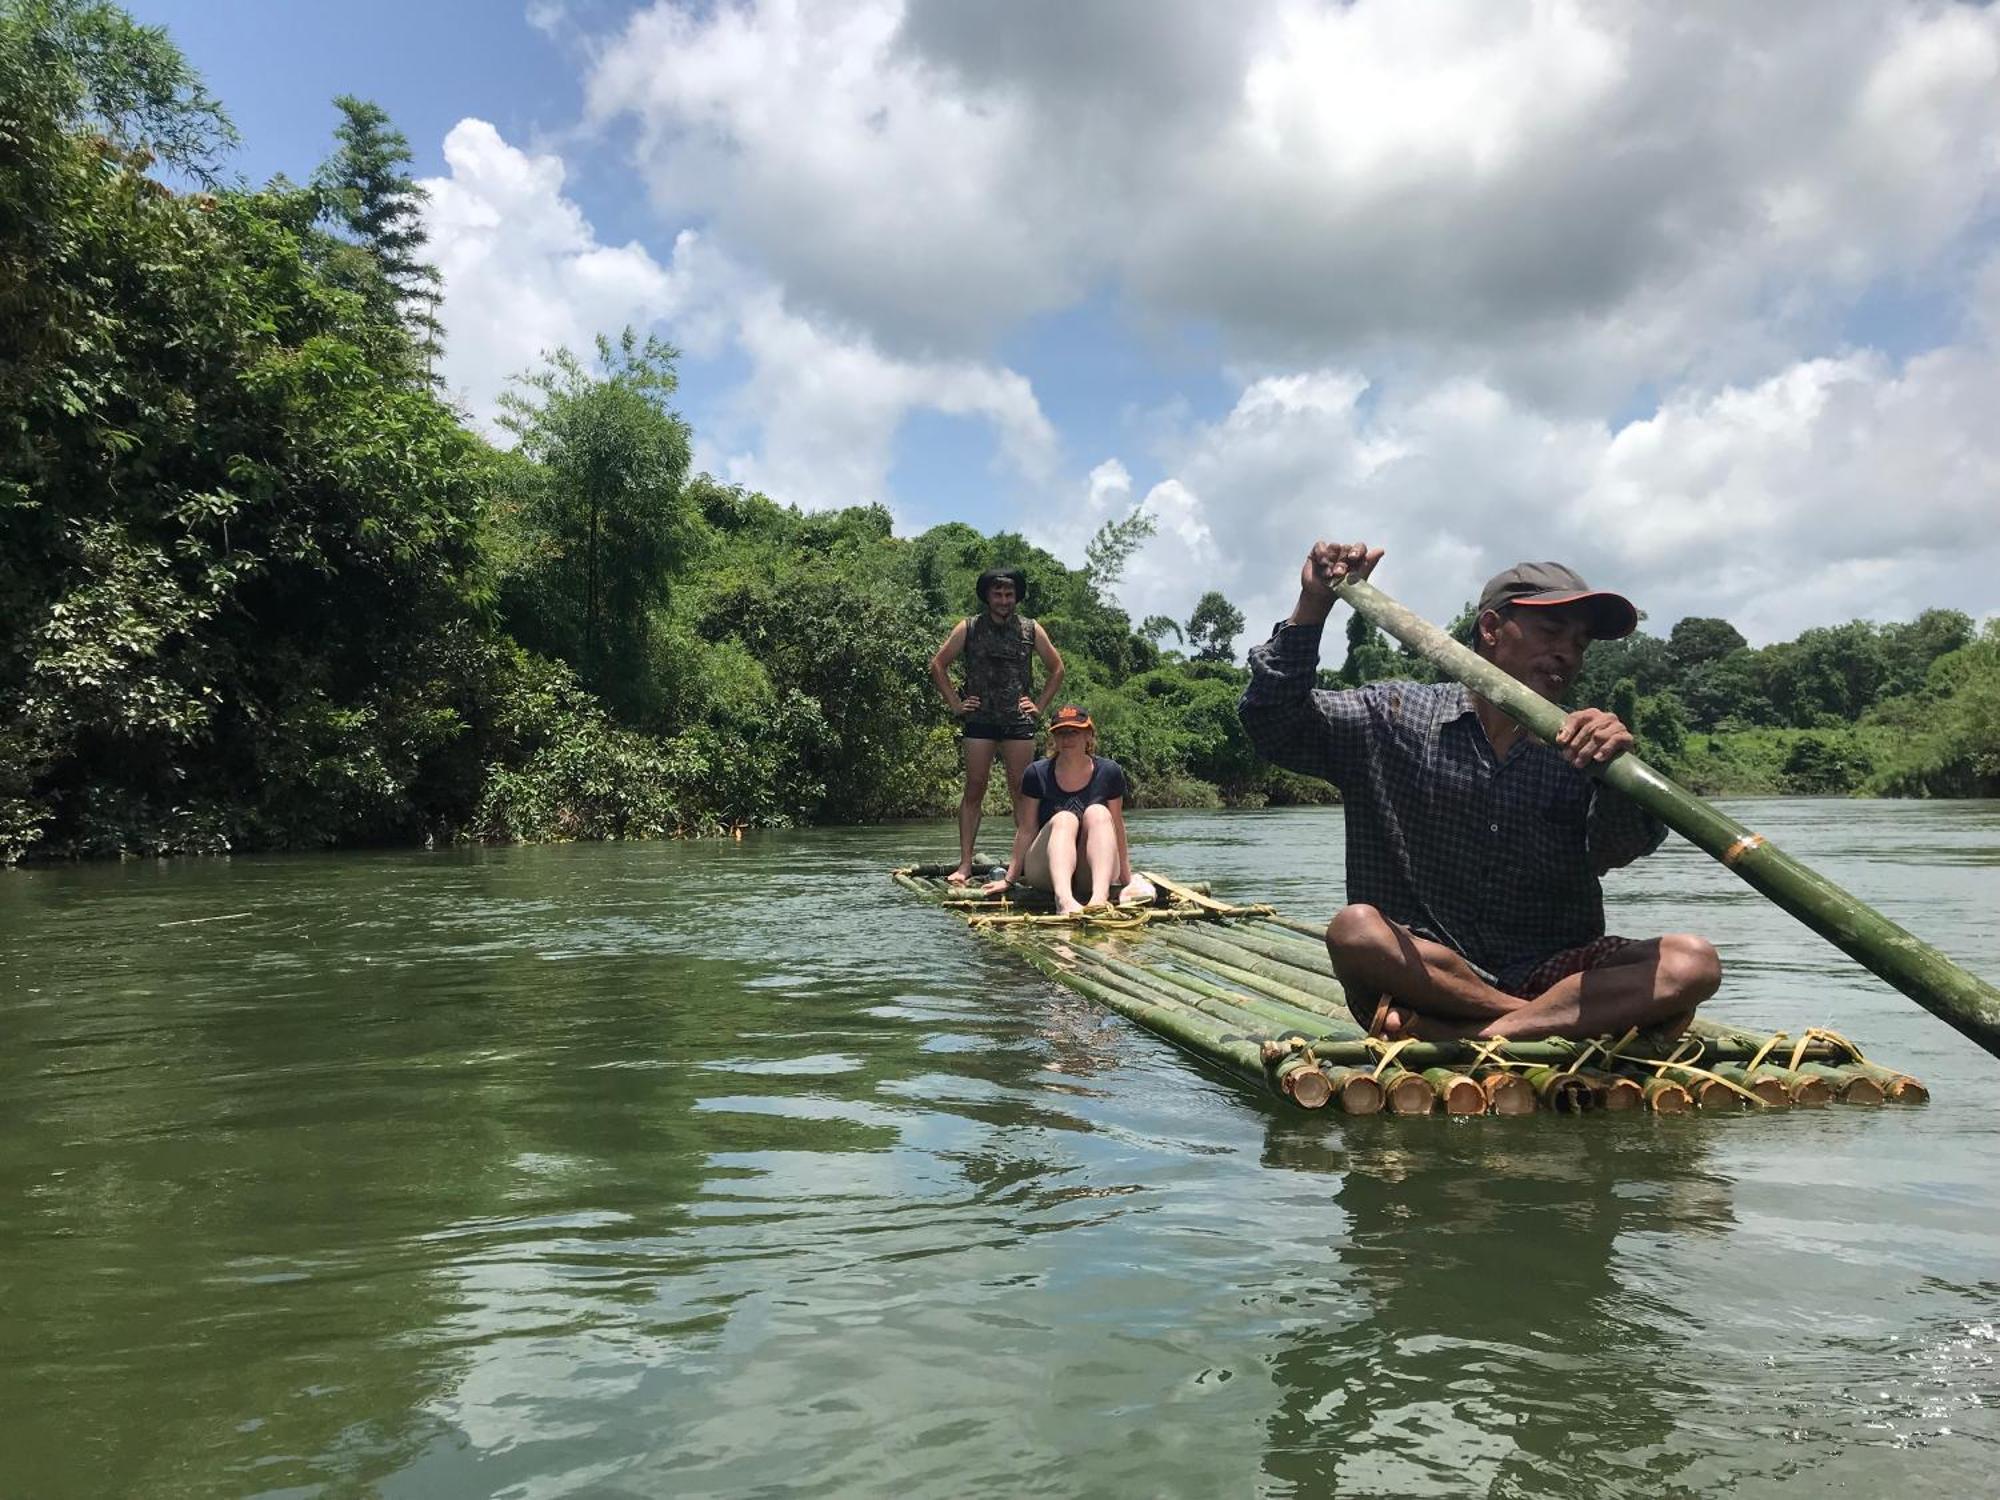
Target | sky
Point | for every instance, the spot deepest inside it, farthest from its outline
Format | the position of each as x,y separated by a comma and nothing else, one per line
1700,298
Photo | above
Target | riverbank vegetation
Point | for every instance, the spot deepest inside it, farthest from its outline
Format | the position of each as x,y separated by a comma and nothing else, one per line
262,586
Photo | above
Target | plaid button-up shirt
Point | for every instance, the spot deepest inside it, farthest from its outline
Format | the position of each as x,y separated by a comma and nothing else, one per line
1496,857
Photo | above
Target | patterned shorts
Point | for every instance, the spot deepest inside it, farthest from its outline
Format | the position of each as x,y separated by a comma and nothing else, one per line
1592,955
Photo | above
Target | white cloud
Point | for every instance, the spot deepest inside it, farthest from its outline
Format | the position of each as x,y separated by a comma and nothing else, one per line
1837,488
524,273
1568,198
816,420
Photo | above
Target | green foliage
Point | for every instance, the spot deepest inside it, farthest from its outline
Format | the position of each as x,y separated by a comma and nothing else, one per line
1825,764
1111,548
1625,701
367,191
85,68
1213,627
259,588
597,520
1700,639
1370,656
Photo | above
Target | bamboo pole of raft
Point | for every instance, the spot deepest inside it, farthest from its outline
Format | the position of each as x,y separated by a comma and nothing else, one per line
1309,993
1849,1085
1765,1084
1408,1093
1458,1094
1195,1033
1296,1077
1253,1011
1614,1091
1666,1097
1506,1093
1956,997
1226,946
1356,1091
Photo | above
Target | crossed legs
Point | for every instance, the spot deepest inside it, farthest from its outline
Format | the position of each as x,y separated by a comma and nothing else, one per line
1400,984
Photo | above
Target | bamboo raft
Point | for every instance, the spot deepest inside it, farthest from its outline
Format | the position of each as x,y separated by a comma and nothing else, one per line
1248,991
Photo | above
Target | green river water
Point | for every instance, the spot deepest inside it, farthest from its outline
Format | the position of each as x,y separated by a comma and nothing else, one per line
730,1168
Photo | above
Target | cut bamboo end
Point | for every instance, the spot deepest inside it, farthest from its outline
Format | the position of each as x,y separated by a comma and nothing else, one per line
1616,1093
1355,1091
1408,1093
1565,1093
1766,1085
1900,1088
1459,1094
1507,1093
1304,1084
1849,1085
1859,1090
1665,1097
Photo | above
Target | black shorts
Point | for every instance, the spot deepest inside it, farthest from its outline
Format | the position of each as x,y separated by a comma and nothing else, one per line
986,729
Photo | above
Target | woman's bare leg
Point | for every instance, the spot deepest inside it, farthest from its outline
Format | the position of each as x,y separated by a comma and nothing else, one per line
1100,842
1064,834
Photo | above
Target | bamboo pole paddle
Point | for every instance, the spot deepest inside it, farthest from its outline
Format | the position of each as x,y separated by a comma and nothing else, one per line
1953,995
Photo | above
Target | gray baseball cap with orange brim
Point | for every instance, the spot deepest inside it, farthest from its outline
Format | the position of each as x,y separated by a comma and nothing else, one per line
1550,584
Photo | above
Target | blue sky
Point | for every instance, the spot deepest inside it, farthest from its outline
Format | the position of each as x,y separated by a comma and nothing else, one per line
1701,300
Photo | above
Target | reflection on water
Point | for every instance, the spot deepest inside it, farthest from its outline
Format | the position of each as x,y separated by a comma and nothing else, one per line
729,1169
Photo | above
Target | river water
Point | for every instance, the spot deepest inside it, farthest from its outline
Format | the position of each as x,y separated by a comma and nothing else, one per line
729,1168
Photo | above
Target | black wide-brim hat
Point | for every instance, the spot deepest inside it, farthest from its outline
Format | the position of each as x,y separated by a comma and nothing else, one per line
993,575
1550,584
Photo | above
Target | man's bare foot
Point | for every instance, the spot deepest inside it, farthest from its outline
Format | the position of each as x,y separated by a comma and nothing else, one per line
959,876
1394,1022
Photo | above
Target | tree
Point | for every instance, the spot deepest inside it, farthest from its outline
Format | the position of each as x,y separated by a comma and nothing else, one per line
1107,552
1370,657
1156,628
86,66
1213,627
601,520
1699,639
1830,675
1625,702
232,539
1727,691
368,191
1908,650
1639,656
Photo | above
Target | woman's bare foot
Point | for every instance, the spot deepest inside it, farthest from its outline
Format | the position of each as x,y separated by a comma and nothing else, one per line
995,887
1068,906
1138,893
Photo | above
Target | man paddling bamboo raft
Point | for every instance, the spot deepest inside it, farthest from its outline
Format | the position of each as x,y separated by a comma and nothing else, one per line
1473,849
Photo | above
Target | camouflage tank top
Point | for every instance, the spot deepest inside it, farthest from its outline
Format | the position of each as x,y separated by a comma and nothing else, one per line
999,666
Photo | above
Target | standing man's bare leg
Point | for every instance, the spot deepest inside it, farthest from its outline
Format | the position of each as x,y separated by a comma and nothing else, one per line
978,771
1016,755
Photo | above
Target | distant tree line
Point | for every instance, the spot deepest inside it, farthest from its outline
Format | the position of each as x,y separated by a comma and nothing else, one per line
261,586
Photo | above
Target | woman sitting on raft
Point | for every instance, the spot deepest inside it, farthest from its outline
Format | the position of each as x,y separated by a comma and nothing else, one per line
1079,851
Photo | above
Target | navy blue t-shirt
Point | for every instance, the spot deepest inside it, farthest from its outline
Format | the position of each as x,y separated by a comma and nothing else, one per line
1107,780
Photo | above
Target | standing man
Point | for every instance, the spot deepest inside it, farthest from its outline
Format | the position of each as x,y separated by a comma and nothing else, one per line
1473,849
998,705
